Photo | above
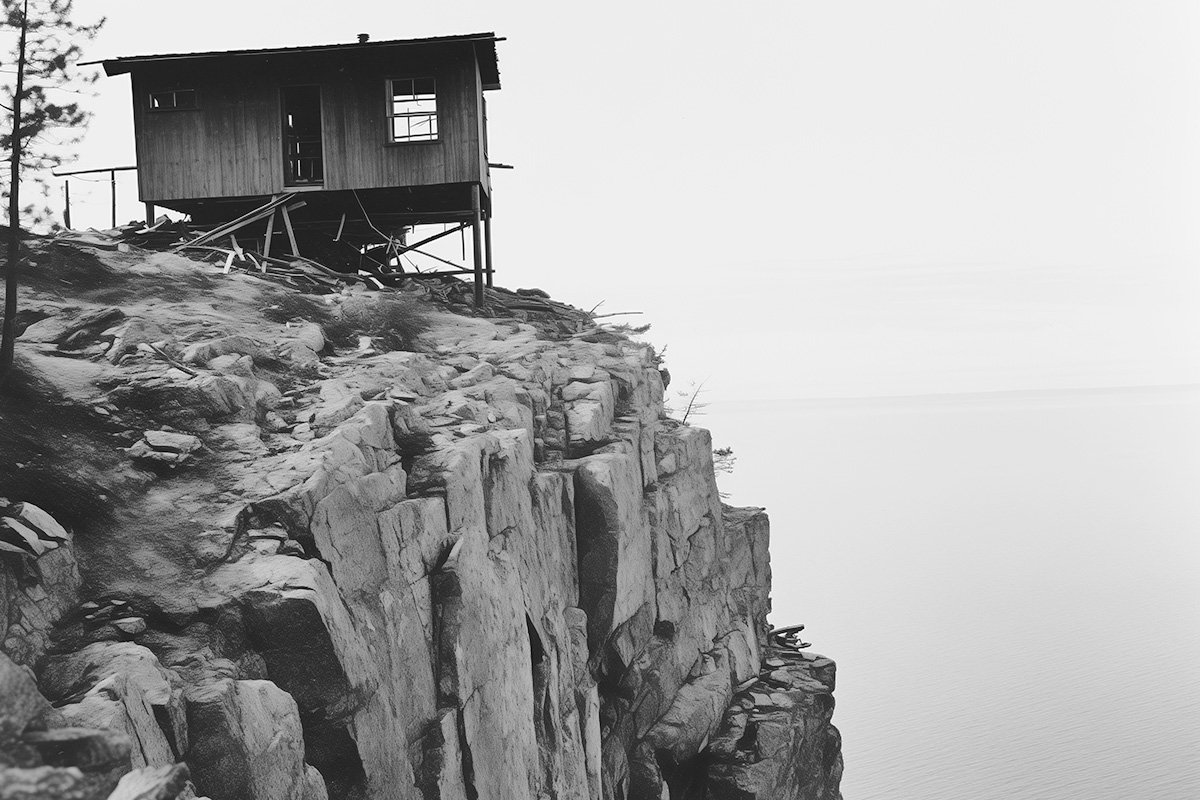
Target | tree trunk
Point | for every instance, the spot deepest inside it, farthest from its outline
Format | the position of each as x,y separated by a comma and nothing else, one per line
9,334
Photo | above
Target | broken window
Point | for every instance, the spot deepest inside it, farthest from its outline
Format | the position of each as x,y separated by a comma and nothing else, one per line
412,110
303,150
173,99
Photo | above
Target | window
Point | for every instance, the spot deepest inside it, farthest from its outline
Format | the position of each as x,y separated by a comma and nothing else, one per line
303,151
412,110
173,100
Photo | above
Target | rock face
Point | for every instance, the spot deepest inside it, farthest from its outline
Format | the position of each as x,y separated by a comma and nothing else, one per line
493,571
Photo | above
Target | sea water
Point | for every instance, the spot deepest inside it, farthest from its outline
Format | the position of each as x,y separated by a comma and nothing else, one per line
1010,584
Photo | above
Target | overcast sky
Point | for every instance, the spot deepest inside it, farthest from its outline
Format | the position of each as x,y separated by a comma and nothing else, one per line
816,199
857,198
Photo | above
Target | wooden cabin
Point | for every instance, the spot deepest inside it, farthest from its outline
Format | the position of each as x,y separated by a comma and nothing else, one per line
384,134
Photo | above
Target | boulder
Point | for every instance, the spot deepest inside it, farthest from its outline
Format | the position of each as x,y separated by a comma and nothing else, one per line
122,686
165,447
203,352
776,741
21,705
152,783
615,567
246,742
42,783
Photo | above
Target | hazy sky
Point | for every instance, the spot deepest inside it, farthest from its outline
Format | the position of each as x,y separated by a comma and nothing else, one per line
816,199
877,197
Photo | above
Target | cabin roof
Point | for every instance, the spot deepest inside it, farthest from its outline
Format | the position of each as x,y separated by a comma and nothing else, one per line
485,50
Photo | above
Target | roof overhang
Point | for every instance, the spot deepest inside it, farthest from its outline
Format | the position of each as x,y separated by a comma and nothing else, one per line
483,43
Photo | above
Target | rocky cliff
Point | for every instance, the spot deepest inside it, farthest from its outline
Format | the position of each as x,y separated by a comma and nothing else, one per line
301,563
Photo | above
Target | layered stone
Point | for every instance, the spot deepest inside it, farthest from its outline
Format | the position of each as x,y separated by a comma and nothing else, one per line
497,571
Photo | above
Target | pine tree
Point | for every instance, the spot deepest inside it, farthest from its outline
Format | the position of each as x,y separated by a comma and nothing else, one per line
46,48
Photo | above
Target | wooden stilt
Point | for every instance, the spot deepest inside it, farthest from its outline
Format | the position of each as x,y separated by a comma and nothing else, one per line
287,223
487,246
477,236
149,213
112,179
270,232
67,207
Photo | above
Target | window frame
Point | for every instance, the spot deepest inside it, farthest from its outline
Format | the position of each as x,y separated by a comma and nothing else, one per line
390,114
289,180
152,94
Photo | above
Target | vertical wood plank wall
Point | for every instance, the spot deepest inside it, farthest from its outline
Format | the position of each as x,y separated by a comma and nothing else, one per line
479,132
231,145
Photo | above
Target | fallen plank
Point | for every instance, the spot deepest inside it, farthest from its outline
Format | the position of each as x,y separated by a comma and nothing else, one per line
246,219
98,243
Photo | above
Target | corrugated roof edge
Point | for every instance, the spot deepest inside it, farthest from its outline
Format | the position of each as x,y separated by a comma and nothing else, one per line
123,64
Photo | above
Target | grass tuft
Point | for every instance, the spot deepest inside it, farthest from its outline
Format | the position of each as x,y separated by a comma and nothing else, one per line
290,306
393,321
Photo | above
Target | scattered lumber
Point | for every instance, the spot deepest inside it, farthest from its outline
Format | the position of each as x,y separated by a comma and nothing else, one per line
262,212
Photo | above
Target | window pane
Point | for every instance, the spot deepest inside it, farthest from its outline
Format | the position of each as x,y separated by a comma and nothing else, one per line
402,88
179,98
425,106
413,110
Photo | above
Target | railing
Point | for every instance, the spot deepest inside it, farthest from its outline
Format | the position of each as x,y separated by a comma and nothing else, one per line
112,179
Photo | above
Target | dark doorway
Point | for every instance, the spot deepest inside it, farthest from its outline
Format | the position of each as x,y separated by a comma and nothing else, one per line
303,163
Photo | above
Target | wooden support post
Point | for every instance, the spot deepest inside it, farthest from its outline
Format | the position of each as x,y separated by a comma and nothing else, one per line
149,213
270,232
112,180
487,246
67,207
477,236
287,223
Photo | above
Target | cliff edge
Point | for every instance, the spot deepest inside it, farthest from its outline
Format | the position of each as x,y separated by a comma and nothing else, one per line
374,546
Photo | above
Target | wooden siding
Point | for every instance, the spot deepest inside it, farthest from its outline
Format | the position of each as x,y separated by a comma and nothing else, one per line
481,134
231,145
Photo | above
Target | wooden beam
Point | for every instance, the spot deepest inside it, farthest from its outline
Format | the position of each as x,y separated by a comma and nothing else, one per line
404,248
270,233
58,174
249,217
149,213
436,272
287,223
477,236
487,246
67,207
438,258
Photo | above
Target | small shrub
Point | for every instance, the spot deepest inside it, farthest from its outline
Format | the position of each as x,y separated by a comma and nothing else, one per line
723,460
394,321
291,306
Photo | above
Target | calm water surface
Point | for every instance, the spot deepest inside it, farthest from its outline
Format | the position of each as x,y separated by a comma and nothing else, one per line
1008,583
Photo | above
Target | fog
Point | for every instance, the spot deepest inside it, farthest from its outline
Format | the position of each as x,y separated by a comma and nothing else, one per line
973,222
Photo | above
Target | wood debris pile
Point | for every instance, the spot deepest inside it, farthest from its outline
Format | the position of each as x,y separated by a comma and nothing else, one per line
335,264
